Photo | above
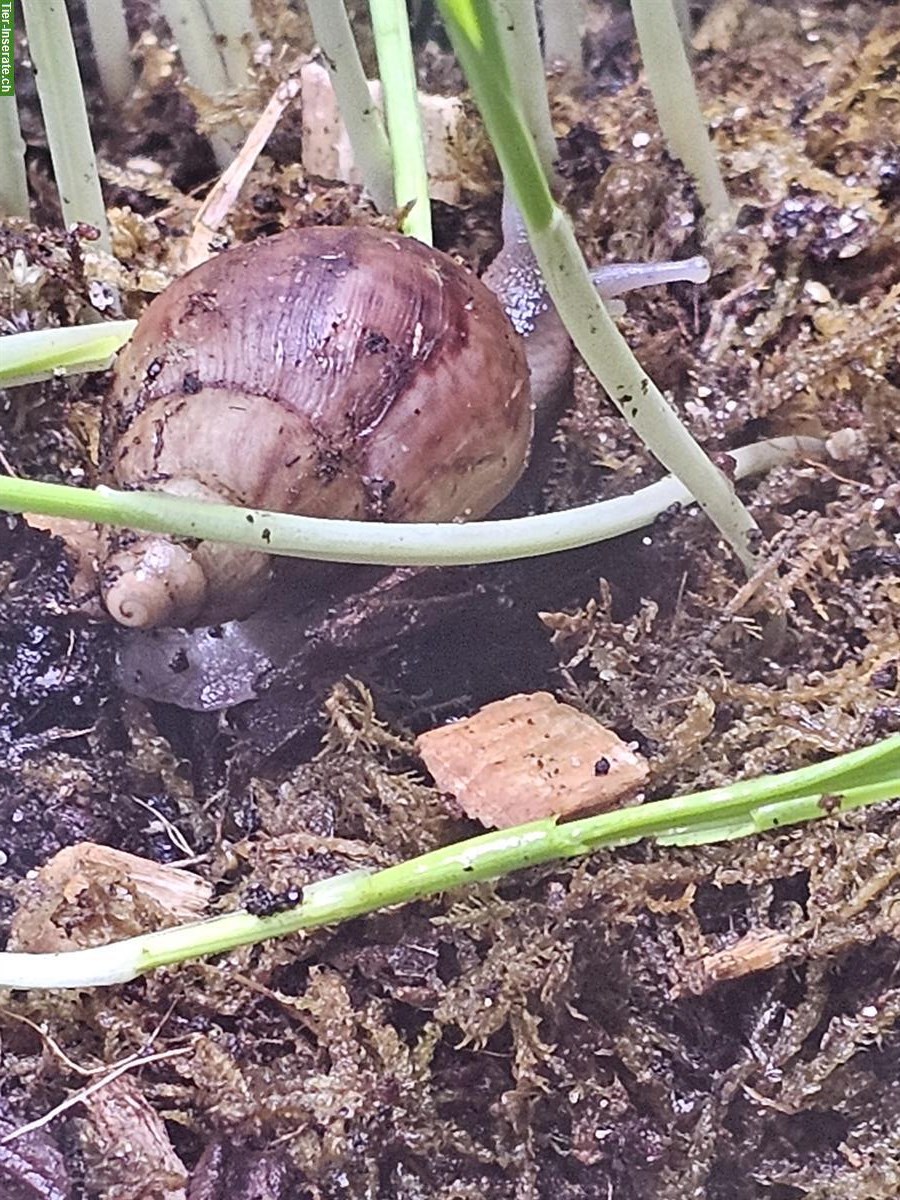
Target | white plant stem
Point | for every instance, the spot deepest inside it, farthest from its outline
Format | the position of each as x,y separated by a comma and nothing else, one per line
472,25
360,114
647,411
47,353
522,47
232,22
13,177
65,116
112,49
387,544
672,84
740,809
563,27
203,63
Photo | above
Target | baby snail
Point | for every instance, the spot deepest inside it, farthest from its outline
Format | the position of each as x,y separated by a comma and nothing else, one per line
332,372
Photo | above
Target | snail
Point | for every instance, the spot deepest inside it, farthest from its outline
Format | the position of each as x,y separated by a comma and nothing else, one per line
329,371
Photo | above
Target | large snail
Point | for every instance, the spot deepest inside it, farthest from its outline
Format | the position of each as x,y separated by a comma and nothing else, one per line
343,372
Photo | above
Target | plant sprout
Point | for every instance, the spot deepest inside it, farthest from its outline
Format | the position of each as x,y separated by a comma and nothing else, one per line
360,114
861,778
109,35
31,357
563,24
473,30
65,115
390,24
381,543
234,28
13,179
671,82
204,65
519,31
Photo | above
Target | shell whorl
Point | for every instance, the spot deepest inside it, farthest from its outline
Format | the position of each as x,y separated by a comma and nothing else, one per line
154,582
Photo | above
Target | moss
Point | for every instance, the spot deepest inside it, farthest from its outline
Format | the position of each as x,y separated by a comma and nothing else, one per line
571,1031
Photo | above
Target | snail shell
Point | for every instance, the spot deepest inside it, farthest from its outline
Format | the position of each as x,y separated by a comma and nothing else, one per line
333,372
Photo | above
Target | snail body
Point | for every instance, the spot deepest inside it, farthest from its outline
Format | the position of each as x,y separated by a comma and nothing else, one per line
332,372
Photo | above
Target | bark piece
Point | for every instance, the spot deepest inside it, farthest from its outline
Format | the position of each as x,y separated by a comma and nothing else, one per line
238,1173
31,1166
529,757
128,1151
758,950
88,894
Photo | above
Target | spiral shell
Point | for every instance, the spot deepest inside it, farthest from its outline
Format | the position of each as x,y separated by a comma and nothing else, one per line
333,372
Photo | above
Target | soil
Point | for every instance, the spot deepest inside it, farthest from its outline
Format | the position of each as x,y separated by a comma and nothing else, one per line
716,1022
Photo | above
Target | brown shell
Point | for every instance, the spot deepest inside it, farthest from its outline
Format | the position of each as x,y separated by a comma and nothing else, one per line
340,372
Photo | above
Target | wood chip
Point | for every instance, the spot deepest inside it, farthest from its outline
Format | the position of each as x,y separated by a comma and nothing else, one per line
128,1151
758,950
90,894
529,757
326,145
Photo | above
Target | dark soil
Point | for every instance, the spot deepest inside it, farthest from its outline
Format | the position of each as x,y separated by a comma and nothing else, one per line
719,1022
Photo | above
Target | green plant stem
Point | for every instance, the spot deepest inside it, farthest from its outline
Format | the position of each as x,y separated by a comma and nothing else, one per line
13,178
112,49
365,128
396,67
420,544
863,777
648,412
521,44
203,63
672,84
235,30
472,28
65,116
563,25
45,353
